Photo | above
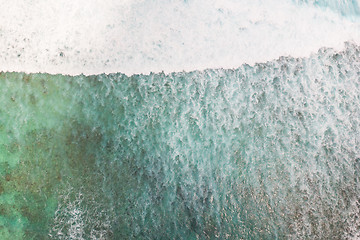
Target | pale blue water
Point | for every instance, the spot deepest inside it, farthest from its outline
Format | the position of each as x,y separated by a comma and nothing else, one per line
345,7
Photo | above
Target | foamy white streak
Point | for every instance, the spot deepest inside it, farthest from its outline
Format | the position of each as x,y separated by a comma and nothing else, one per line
137,36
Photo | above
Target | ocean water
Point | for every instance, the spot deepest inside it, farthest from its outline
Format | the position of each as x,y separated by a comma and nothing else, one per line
348,8
166,119
269,151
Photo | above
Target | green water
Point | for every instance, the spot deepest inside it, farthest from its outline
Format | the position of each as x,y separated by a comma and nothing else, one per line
263,152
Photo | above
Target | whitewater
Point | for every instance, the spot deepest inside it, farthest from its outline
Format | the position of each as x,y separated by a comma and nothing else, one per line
107,36
180,119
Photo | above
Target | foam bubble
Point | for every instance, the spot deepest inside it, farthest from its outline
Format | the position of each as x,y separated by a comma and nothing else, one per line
137,36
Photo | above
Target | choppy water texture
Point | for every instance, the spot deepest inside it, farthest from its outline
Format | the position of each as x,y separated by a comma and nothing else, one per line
263,152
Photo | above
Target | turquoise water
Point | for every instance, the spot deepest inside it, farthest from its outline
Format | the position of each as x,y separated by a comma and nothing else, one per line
263,152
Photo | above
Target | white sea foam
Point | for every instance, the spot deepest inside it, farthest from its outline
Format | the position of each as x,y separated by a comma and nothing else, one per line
137,36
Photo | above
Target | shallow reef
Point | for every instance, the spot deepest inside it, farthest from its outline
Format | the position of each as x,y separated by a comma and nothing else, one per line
270,151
